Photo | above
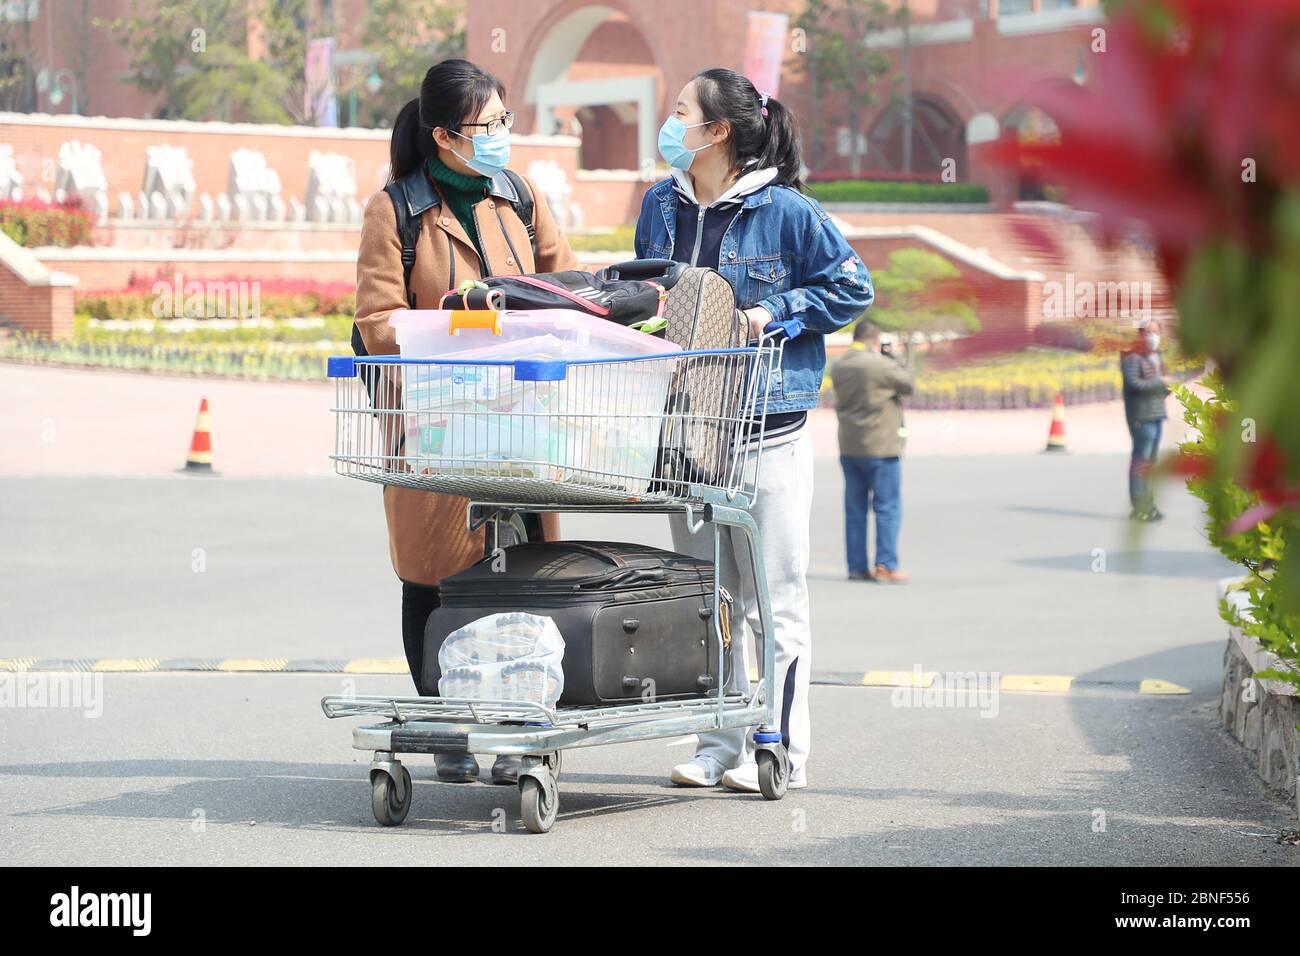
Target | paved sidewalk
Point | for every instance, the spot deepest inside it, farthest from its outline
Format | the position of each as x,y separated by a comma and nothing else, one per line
1004,550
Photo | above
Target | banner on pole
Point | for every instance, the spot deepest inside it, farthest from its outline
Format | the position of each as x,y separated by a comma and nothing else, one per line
319,104
765,39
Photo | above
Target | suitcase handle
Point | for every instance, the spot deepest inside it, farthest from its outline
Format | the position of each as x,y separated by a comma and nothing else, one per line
665,271
625,577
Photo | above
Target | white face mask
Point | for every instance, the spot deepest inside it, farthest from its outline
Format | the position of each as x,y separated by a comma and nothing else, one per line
1153,341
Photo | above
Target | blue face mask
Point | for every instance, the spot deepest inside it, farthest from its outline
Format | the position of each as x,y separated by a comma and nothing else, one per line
491,152
672,146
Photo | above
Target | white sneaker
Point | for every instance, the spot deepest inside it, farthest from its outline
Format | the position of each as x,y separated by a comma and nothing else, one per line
699,771
745,779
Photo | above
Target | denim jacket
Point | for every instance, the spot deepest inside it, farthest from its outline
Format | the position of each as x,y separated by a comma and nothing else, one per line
782,252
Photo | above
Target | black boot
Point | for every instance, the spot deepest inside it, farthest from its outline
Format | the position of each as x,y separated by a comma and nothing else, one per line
457,768
505,771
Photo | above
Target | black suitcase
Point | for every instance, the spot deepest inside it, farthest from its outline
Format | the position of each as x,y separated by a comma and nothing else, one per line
636,620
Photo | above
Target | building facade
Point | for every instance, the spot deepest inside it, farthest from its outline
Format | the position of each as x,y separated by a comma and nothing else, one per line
608,71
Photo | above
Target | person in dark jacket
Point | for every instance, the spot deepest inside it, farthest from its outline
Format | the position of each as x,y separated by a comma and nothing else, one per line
870,383
1145,388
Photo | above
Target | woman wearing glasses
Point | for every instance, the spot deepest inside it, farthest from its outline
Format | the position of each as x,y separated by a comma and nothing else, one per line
450,149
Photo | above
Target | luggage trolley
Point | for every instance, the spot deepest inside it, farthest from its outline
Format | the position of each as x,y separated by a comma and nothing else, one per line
681,432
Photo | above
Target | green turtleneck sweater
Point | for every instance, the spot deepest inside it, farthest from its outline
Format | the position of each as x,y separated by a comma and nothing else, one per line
461,193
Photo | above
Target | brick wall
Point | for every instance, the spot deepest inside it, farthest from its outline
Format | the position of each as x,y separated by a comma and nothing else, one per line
33,298
118,272
126,236
46,310
608,202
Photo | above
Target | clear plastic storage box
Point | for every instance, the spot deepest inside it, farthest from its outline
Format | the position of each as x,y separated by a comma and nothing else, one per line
471,412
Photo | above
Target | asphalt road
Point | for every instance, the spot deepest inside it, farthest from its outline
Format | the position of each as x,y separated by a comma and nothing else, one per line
1022,564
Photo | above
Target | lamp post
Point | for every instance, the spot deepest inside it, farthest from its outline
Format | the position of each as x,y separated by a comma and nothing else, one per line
374,83
359,60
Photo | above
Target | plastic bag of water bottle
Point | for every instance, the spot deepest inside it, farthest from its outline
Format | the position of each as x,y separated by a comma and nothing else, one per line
509,656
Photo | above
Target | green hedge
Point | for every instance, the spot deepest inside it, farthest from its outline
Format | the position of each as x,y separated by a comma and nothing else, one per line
863,190
611,240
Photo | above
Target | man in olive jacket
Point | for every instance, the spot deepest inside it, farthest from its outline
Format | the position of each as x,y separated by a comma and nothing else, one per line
869,384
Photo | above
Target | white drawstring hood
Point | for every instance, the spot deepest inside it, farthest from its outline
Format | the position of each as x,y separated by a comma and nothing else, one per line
751,181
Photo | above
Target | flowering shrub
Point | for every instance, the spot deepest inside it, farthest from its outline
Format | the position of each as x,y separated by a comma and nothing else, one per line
144,332
118,330
276,298
1029,379
273,361
31,223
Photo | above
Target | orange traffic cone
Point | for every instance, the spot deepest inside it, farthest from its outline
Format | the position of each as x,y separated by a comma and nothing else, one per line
200,457
1056,435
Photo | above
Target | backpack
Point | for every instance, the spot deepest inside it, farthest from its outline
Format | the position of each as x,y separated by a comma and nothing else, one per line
629,293
411,196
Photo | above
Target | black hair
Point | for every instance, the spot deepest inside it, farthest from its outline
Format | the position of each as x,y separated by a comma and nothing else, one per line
865,330
773,139
451,91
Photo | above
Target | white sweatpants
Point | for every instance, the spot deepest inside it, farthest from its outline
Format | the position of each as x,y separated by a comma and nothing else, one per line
783,513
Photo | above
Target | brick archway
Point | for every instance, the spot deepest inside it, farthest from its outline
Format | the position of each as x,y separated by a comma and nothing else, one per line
939,133
618,95
553,33
552,50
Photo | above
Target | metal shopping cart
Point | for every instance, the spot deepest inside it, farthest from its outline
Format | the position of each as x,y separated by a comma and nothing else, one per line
679,433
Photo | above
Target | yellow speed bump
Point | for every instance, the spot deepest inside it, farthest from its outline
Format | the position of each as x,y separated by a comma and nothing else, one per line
136,665
252,664
898,678
1154,686
376,665
1036,683
11,664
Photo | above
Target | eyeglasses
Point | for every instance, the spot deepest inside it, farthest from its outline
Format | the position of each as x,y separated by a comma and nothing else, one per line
495,126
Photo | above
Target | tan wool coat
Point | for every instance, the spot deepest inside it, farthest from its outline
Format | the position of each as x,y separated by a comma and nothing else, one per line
427,536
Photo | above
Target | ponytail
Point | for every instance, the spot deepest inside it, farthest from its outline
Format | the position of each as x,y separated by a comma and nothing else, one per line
410,145
763,130
451,91
781,146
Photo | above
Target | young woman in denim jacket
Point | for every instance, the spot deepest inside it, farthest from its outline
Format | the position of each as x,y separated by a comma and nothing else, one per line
734,203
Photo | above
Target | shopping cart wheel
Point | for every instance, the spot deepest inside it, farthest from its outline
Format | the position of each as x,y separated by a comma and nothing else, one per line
539,801
390,807
773,771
